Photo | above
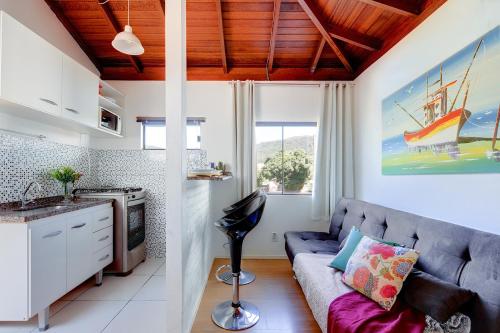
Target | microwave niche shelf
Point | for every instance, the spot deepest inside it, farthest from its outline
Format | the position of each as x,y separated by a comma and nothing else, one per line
107,104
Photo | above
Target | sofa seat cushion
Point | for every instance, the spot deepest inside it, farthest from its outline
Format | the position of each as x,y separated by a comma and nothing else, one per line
320,284
309,242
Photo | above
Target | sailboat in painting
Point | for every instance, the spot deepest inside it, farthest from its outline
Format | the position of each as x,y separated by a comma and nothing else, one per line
441,125
447,120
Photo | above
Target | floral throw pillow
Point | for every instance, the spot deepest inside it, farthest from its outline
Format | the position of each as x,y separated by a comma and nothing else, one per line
378,270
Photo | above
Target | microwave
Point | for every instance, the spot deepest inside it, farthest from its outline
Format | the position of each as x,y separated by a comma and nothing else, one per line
110,121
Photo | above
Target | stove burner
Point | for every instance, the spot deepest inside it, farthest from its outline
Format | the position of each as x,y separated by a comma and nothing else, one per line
107,190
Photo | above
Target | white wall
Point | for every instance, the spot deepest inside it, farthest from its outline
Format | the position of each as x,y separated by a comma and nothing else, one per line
36,15
467,199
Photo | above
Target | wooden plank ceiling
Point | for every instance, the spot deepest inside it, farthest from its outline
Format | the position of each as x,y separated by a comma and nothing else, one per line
247,39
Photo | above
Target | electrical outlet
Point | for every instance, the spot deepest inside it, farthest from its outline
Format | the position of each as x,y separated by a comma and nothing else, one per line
274,237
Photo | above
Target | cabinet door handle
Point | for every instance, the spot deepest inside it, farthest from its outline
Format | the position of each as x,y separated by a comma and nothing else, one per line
79,226
53,234
48,101
103,238
72,110
104,219
104,258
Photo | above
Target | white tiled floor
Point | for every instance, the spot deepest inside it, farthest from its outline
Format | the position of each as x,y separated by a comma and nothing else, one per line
134,303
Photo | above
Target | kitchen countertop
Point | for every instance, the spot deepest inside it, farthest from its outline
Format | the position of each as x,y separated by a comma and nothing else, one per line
223,176
51,206
215,177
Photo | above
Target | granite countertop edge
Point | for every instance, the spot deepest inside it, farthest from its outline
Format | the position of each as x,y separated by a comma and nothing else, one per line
10,216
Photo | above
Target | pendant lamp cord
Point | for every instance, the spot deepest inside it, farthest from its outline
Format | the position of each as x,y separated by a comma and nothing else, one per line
128,13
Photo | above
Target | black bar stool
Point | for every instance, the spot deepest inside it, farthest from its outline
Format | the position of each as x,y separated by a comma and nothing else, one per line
246,277
238,315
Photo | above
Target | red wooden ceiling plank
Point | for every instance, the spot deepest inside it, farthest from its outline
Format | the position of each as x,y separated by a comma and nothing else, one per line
317,55
401,7
316,16
429,7
56,8
272,42
108,13
221,35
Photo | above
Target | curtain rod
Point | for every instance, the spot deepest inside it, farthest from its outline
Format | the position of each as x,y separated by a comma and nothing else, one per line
297,84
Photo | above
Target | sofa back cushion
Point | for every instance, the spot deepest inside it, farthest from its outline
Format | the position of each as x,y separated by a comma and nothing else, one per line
466,257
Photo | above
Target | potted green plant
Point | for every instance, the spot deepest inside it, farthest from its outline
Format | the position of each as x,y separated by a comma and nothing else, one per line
66,176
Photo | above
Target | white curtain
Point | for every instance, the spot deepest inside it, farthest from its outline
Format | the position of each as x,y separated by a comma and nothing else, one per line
333,173
243,107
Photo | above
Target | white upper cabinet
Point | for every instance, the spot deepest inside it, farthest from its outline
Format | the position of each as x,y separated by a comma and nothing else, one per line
79,93
31,68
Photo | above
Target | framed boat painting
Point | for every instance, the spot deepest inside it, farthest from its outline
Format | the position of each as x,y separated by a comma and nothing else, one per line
446,121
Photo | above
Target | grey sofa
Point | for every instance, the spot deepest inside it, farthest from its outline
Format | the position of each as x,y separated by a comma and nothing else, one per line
466,257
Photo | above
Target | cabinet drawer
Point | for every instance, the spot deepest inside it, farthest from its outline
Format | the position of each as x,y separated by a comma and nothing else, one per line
102,238
103,218
103,258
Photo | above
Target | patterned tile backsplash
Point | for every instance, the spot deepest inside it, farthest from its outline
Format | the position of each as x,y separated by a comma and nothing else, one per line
26,159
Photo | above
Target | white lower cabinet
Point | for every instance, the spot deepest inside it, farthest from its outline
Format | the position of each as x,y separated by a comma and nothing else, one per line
47,263
49,257
80,249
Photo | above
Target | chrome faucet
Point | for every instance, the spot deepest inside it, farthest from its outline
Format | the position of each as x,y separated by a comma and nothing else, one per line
24,200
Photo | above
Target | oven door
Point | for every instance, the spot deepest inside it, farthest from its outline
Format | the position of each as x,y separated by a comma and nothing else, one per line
136,223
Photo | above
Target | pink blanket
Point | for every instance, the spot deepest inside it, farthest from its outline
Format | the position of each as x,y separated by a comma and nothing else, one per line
355,313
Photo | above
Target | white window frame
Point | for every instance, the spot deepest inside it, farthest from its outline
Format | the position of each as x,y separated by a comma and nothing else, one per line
284,124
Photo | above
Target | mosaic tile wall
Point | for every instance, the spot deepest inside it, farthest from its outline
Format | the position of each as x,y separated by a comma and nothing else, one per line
141,168
25,159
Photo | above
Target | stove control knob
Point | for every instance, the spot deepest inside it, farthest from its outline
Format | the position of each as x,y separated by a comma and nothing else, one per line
133,197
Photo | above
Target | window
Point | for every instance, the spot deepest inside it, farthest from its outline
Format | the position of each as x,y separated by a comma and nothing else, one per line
154,135
285,156
193,133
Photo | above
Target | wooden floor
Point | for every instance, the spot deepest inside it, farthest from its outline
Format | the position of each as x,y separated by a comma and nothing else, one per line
283,308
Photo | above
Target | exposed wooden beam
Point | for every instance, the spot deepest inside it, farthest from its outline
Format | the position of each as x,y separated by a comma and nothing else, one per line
222,39
428,8
279,74
274,33
317,55
56,8
401,7
162,4
111,19
354,37
129,73
316,16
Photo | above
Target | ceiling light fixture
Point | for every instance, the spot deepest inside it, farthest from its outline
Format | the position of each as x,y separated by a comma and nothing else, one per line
125,41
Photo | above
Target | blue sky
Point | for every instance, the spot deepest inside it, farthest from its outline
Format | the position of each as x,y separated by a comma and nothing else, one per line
484,93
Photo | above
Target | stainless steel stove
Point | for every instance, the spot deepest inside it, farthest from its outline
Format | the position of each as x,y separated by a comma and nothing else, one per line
129,225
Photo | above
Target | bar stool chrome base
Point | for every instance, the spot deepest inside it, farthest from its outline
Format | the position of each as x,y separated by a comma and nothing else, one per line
245,277
235,319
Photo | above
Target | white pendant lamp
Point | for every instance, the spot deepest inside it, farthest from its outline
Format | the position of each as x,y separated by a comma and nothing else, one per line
125,41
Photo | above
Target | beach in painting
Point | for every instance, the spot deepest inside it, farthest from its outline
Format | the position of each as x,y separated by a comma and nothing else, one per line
418,138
